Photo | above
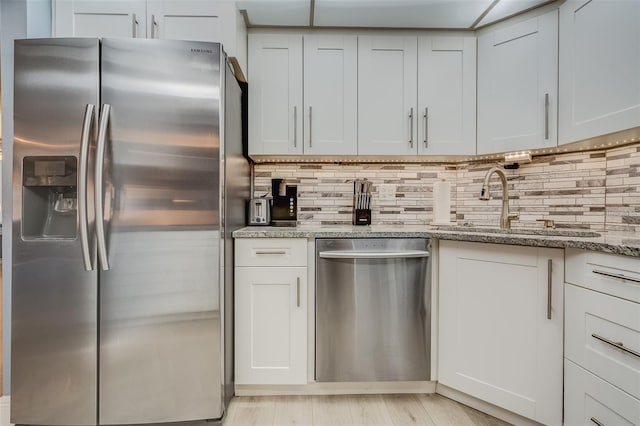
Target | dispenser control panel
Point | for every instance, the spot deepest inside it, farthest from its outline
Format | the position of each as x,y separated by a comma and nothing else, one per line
49,171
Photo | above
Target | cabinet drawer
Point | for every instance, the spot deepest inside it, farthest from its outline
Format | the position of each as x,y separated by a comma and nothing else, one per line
271,252
594,322
589,400
608,273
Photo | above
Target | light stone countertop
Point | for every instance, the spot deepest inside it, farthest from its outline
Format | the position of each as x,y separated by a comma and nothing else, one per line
607,242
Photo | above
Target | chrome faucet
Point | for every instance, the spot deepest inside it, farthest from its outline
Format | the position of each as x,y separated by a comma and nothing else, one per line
505,217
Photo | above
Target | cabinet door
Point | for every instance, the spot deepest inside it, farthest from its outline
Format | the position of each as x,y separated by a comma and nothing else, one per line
331,95
271,325
517,85
599,68
496,340
275,94
189,20
446,95
387,95
99,18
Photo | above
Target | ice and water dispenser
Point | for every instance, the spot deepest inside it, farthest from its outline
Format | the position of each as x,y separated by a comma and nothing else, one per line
49,197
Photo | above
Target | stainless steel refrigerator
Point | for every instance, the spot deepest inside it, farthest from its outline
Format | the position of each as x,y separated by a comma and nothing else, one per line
128,181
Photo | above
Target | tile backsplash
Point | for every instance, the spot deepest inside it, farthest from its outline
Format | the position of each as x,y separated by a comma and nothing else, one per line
596,190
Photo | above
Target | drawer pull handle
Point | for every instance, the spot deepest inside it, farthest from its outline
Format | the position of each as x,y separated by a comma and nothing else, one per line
618,276
276,252
594,420
617,345
298,291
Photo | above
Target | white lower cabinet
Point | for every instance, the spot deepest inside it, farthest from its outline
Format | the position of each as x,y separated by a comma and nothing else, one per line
501,326
602,346
590,400
603,336
271,311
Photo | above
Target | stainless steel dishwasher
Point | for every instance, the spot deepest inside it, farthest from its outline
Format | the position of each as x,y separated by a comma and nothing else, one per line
373,305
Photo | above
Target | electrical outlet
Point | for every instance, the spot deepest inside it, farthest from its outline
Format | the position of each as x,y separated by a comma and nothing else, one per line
386,192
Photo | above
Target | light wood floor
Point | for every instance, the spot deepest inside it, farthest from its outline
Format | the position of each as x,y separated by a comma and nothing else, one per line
352,410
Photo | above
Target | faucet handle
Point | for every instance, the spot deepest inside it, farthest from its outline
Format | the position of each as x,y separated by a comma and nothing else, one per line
548,223
513,216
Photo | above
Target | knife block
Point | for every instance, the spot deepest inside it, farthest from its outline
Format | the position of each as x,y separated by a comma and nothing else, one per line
362,217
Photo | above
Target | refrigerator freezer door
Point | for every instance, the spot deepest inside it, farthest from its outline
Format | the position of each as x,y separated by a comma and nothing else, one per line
54,299
160,337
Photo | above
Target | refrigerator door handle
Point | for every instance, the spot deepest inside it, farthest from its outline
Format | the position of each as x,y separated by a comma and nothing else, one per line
99,191
87,124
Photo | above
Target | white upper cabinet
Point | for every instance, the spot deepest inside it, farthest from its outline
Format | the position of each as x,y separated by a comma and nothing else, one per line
214,21
517,85
99,18
387,95
275,94
330,95
197,20
599,68
446,113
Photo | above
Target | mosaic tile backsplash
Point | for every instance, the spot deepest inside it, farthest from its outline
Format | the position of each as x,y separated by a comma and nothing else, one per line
596,190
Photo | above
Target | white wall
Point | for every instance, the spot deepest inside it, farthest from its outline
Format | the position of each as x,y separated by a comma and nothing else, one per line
18,19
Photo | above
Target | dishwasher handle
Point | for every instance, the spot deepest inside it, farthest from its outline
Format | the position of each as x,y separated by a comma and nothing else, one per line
349,254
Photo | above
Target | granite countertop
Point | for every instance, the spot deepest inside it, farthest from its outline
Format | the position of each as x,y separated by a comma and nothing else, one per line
607,242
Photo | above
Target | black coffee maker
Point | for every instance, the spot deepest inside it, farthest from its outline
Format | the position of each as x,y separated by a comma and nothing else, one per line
284,210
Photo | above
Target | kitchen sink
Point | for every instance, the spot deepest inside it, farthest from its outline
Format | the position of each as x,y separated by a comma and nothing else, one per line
525,231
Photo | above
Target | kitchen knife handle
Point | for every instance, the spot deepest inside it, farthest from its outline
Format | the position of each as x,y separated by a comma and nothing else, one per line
154,26
134,25
411,128
99,191
82,186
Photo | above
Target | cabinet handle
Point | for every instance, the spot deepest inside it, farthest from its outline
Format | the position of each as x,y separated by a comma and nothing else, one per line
549,289
594,420
617,276
298,292
426,127
617,345
295,126
546,116
310,129
411,128
154,25
278,252
134,23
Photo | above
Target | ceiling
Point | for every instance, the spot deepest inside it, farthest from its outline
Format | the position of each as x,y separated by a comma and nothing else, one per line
434,14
